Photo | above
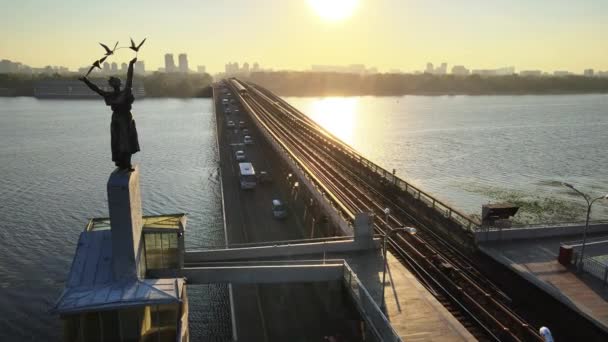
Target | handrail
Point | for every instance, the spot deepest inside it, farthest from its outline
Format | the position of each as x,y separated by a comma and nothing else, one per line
557,224
368,307
268,243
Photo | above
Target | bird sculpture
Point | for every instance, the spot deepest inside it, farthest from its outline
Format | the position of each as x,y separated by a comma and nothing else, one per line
96,64
136,47
108,51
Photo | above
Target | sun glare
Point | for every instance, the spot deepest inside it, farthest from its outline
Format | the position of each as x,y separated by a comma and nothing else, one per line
334,10
338,115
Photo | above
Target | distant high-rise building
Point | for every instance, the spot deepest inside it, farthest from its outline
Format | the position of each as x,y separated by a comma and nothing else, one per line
139,68
201,69
256,67
169,63
123,67
460,70
183,62
429,68
588,72
245,68
106,68
114,67
561,73
442,70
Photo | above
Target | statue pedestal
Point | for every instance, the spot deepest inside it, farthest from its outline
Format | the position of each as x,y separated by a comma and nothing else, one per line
124,203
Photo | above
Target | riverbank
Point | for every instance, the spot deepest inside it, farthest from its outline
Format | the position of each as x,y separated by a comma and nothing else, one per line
304,84
157,85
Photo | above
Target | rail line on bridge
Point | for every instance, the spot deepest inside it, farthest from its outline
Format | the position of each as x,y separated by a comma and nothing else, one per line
447,273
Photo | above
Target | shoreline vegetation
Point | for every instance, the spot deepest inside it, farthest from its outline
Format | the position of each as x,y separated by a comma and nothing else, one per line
155,85
337,84
313,84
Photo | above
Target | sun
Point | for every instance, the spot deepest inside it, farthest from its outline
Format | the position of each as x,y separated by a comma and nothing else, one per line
334,10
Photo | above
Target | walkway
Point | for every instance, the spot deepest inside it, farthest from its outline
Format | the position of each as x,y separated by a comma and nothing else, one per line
536,260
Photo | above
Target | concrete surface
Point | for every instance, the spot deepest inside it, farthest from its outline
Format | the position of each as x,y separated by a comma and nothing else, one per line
536,261
412,310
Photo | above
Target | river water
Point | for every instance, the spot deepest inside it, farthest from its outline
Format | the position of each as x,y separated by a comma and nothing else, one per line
471,150
55,160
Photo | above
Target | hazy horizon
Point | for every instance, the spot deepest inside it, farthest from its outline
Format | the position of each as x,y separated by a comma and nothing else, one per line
387,34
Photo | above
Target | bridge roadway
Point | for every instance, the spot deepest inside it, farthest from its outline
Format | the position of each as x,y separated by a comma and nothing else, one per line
272,312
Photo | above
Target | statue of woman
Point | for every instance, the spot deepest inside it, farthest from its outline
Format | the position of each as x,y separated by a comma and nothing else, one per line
123,132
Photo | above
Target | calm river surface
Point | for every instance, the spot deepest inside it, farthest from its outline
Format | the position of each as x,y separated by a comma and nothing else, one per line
55,160
470,150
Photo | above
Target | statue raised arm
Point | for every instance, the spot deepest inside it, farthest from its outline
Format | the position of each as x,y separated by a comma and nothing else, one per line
130,74
93,86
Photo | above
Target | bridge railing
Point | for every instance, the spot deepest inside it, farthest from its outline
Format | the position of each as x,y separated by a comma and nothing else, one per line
593,266
371,312
558,224
444,209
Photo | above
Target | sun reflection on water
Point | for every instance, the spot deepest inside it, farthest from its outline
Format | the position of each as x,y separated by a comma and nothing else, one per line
338,115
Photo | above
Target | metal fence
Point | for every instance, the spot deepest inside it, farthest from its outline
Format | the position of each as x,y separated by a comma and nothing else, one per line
558,224
370,311
445,210
593,266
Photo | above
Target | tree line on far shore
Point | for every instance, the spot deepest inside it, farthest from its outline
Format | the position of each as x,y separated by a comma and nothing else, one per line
294,83
291,83
155,85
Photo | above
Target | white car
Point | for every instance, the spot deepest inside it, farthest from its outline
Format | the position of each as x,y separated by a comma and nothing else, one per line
240,156
231,124
247,140
245,131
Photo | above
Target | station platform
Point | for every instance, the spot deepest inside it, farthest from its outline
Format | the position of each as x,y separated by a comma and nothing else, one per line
536,261
412,310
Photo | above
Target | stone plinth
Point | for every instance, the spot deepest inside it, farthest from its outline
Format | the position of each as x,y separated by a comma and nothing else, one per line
124,203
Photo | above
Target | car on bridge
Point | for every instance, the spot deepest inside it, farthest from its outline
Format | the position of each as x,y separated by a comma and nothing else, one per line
248,140
264,177
231,124
279,211
240,155
242,124
245,131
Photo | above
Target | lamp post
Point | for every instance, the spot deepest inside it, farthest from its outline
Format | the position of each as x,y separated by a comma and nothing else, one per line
589,204
387,233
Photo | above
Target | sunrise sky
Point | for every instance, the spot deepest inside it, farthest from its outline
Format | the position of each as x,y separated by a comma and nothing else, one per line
293,34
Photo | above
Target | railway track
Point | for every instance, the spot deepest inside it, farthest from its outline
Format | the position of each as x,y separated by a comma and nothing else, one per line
448,274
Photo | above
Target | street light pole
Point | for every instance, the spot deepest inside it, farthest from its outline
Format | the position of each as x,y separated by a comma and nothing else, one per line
589,204
387,232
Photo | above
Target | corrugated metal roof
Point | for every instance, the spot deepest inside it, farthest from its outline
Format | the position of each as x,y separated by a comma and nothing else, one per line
91,285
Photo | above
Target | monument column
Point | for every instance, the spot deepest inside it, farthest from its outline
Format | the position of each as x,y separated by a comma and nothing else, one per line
124,203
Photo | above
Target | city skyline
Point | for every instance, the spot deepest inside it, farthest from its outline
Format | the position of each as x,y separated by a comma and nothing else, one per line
235,68
544,35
